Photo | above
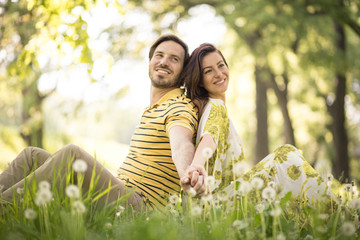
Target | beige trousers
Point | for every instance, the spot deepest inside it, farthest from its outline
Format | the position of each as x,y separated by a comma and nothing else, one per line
35,163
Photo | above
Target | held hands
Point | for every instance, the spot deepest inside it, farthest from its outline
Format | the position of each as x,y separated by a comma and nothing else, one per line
194,177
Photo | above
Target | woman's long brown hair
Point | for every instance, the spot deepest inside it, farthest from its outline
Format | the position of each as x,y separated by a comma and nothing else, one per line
192,75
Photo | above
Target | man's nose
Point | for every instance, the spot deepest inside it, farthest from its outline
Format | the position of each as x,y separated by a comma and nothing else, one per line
164,61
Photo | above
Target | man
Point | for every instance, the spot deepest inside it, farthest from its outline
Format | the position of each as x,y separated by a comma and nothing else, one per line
161,148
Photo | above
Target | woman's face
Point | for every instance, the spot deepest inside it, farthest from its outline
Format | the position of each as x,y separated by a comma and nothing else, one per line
215,75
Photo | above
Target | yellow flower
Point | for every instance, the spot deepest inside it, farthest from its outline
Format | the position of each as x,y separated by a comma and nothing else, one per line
293,172
309,171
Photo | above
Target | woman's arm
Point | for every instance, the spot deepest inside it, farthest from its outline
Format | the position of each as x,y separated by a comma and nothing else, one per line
195,174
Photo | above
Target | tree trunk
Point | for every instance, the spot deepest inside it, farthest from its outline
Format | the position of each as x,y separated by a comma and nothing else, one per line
281,95
337,112
32,120
262,138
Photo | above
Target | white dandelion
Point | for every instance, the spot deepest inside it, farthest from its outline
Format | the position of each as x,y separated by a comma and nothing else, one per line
20,191
281,236
276,212
347,187
210,181
355,204
196,211
257,183
268,194
240,224
72,191
174,199
192,192
174,212
272,184
44,185
222,196
323,216
108,225
244,188
79,166
207,198
240,168
30,214
79,206
260,208
169,206
121,209
348,228
207,152
43,197
308,237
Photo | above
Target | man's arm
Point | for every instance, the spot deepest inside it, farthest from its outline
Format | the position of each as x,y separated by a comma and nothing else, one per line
182,151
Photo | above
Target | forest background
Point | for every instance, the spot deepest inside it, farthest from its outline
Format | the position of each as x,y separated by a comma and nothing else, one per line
77,72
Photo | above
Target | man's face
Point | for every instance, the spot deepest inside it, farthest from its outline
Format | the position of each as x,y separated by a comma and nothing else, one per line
166,64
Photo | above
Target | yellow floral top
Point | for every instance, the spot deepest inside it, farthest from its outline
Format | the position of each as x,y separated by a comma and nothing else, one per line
215,121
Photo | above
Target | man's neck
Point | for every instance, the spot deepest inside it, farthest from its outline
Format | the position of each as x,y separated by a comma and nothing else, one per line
157,93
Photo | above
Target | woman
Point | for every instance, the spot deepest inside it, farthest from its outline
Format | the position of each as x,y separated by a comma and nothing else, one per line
206,79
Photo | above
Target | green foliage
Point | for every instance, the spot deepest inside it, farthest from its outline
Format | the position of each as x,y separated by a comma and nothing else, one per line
212,217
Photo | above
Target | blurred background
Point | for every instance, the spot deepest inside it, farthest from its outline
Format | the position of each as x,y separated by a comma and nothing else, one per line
77,72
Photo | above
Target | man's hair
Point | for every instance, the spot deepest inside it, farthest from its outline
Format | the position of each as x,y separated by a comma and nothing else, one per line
170,37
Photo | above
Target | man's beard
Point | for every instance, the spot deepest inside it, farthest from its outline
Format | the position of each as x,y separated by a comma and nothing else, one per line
158,83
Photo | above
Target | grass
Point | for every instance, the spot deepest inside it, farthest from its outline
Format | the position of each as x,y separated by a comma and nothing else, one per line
34,214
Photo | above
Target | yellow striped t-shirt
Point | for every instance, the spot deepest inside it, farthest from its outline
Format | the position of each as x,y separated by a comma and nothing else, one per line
149,166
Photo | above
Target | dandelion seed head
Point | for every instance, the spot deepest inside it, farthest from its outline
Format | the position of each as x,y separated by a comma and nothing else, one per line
348,228
108,225
20,191
196,211
260,208
354,204
272,184
210,181
169,206
192,192
174,212
207,198
347,187
308,237
240,168
244,188
174,199
44,185
276,212
80,166
240,224
268,194
72,191
43,197
121,209
207,152
321,229
281,236
30,214
222,196
257,183
79,206
323,216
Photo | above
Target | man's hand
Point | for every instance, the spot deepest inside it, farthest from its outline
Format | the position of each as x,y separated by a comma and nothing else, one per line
194,177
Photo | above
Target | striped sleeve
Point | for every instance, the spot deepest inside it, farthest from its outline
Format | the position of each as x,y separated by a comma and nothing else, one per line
181,114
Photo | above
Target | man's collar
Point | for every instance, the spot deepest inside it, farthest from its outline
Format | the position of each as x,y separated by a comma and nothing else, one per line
171,94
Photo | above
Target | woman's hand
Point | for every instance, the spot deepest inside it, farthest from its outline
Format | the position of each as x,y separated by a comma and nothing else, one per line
194,178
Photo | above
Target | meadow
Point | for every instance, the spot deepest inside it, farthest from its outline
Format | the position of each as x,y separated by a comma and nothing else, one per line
255,211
